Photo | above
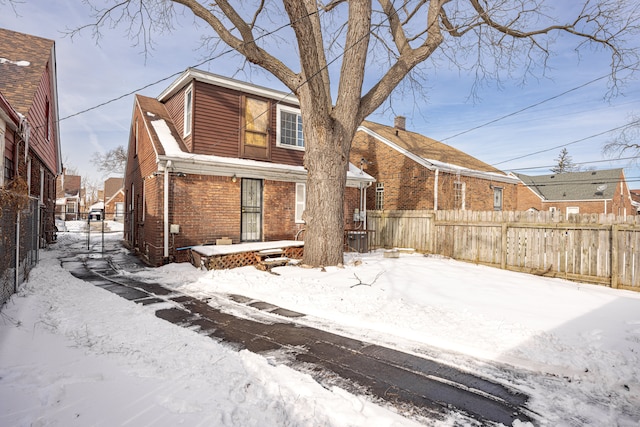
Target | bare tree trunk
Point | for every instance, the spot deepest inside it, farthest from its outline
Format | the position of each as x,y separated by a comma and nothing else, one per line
324,213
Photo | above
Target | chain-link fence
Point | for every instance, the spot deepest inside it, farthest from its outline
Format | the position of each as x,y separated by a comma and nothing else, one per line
18,246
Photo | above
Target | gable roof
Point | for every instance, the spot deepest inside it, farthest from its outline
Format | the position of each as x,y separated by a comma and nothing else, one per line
169,146
72,185
433,154
191,74
23,59
574,186
112,186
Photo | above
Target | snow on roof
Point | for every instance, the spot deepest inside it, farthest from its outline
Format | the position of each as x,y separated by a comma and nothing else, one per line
172,150
169,143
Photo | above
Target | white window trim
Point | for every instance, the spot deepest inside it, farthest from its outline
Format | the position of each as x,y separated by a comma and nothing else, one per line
278,131
497,190
379,198
300,204
188,114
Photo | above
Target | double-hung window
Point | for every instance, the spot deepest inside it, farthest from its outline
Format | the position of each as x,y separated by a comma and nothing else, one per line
300,201
289,133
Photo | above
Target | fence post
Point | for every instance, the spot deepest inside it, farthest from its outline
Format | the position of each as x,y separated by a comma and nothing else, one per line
503,246
614,256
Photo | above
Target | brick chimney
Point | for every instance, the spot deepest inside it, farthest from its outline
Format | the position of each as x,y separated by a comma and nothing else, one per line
399,122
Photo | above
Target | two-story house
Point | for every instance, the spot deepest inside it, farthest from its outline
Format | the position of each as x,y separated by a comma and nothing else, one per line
589,192
415,172
69,201
29,148
212,158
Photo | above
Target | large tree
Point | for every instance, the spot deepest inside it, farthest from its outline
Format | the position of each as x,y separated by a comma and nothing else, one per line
352,54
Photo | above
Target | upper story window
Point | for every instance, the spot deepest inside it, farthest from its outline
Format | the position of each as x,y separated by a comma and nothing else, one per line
289,134
256,122
188,110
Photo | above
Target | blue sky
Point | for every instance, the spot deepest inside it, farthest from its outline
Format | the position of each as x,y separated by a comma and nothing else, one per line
90,74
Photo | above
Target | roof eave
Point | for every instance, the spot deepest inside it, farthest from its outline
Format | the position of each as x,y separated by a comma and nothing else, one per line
222,167
442,167
194,74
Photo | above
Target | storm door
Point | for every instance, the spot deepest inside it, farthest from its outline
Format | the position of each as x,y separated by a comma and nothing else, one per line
251,219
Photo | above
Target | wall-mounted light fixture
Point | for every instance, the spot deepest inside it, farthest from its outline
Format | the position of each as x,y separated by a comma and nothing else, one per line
181,174
234,178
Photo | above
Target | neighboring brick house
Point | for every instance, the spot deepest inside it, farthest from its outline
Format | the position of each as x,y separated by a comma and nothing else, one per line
114,199
590,192
635,200
29,146
69,201
416,172
230,155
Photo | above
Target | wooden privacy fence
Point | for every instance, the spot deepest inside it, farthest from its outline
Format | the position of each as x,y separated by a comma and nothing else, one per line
602,249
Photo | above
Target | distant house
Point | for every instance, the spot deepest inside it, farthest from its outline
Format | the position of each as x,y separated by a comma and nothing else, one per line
114,198
413,171
635,199
214,158
30,147
69,201
598,192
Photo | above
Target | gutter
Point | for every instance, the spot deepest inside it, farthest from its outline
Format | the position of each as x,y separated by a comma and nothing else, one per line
217,167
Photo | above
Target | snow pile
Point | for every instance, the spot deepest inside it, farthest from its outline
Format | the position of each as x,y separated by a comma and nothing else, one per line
70,353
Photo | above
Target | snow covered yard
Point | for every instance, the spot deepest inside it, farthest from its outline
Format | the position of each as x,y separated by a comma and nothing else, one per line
74,354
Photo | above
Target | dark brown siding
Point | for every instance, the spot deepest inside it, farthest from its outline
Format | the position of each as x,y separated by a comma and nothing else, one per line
216,121
175,108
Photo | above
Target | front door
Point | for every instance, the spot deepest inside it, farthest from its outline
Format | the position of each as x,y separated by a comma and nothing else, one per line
251,219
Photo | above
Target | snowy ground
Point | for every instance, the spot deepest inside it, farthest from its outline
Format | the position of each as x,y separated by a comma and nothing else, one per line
74,354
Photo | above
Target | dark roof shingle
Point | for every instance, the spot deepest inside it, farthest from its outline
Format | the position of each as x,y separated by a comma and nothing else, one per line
23,59
589,185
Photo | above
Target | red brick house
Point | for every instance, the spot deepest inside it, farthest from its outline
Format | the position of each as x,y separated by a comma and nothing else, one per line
30,147
413,171
69,201
114,198
590,192
214,157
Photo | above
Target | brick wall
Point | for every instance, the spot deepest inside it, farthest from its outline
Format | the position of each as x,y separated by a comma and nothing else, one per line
410,186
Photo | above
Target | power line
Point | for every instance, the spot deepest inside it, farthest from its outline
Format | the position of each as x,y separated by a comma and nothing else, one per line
534,105
576,163
562,145
230,50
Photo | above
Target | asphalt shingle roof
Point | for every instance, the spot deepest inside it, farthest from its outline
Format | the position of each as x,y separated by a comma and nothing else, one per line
428,148
23,59
590,185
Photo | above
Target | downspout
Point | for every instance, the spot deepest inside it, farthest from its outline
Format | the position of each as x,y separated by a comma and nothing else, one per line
435,191
166,209
17,275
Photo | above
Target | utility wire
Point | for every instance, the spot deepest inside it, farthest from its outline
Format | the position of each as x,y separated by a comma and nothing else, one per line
562,145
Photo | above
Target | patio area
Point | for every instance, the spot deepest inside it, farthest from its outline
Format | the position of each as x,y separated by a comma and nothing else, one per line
262,254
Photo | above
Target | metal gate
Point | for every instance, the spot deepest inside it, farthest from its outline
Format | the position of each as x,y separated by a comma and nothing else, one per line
251,208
